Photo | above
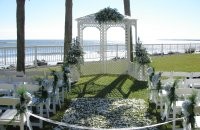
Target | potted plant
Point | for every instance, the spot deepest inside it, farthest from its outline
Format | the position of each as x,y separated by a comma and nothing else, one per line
142,58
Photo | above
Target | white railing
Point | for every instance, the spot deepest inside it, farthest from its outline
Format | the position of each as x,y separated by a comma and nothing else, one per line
8,55
171,48
54,54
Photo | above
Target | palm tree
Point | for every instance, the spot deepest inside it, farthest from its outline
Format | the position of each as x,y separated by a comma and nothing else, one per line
68,27
127,11
20,14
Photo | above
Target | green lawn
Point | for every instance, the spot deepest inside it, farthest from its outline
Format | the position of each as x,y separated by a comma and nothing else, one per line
109,86
178,62
104,86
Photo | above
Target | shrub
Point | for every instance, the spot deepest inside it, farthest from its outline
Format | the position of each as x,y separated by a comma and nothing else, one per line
190,50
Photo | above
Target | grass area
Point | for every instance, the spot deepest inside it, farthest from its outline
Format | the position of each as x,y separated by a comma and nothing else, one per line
109,86
178,62
104,86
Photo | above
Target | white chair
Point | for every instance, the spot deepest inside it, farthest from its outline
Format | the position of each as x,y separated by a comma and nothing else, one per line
7,89
74,74
3,77
197,120
40,107
9,114
31,88
182,94
197,117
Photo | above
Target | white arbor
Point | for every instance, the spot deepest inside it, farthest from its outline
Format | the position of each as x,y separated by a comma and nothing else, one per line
104,66
89,21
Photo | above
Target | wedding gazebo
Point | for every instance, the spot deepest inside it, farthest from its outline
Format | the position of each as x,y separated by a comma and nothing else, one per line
89,21
126,24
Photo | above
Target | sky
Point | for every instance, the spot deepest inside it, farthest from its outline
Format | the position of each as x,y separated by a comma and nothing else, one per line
157,19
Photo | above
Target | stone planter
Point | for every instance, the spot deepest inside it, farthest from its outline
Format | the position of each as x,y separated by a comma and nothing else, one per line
74,73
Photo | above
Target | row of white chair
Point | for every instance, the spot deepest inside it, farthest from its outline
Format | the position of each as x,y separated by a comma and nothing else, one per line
182,94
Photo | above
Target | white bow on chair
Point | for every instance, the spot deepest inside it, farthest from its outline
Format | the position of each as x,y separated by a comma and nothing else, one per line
166,100
154,89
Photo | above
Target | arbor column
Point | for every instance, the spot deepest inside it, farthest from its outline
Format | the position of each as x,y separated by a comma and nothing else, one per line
136,39
136,36
80,33
128,28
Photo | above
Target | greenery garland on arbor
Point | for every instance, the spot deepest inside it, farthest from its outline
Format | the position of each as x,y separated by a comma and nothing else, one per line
108,15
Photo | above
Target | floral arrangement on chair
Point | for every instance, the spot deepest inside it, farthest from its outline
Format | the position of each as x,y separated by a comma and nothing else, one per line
66,71
170,97
188,110
21,107
25,98
42,94
151,73
55,80
154,79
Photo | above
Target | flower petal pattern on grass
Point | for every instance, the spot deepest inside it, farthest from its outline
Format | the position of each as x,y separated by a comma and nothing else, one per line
107,113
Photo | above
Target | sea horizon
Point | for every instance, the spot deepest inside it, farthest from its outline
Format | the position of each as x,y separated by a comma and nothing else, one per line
52,50
60,42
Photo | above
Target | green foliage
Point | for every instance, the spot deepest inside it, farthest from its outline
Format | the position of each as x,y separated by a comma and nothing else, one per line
39,80
141,54
190,50
108,15
193,99
21,93
172,95
42,94
55,79
65,70
159,86
152,74
75,54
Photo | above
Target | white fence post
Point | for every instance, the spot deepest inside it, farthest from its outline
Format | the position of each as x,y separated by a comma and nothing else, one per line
117,51
35,61
162,52
4,56
61,58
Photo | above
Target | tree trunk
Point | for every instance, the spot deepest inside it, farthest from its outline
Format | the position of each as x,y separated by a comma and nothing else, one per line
20,35
68,27
127,11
